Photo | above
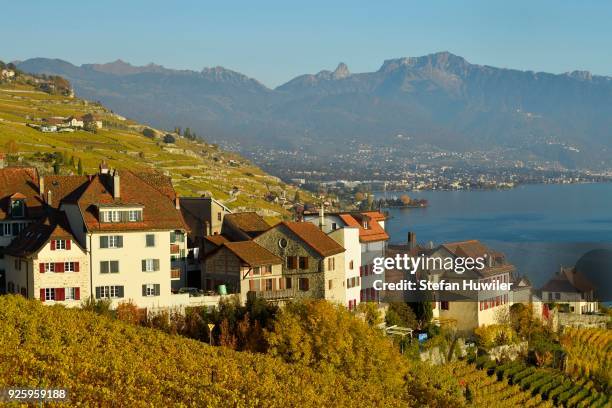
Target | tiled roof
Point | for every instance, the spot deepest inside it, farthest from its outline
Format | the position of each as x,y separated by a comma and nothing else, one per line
62,187
249,222
159,181
374,232
37,234
472,248
252,253
24,182
216,239
375,215
159,210
314,237
568,280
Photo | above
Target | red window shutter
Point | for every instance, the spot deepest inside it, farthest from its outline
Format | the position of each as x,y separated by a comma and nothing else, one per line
42,267
76,266
60,294
77,293
281,283
273,284
53,245
68,241
59,267
42,295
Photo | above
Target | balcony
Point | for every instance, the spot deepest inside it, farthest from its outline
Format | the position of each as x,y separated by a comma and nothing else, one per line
175,273
174,249
276,294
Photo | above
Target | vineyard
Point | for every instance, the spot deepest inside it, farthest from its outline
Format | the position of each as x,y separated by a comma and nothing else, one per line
105,362
486,391
547,384
589,354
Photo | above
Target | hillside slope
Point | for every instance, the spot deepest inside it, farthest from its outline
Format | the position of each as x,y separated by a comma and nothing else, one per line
196,167
104,362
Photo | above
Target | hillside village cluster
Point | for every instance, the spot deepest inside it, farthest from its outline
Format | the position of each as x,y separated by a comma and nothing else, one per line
127,236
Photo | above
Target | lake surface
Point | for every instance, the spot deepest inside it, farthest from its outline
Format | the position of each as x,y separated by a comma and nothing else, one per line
538,227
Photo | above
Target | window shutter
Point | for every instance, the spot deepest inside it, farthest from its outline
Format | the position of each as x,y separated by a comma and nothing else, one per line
42,295
98,290
60,294
281,283
172,237
103,267
68,241
251,284
144,265
76,266
273,284
42,267
114,266
119,241
77,293
144,290
104,242
123,216
53,245
156,264
157,289
2,230
59,267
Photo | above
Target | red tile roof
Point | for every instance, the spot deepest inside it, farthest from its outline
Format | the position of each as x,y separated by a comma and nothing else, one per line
374,232
216,239
249,222
20,182
37,234
314,237
252,253
159,210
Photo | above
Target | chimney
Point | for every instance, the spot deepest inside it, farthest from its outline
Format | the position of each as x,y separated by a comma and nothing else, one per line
321,216
41,187
49,198
411,240
104,168
177,203
116,185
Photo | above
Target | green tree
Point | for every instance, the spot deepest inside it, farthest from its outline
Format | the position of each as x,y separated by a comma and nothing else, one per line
297,198
423,312
400,314
187,133
56,168
80,167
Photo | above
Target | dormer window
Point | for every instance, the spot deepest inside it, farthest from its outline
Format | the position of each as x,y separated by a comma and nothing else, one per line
17,208
115,215
366,225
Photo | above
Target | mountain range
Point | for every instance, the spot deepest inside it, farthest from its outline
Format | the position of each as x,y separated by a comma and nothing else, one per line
438,102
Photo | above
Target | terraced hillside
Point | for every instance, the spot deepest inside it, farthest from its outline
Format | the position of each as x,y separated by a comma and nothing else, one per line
196,167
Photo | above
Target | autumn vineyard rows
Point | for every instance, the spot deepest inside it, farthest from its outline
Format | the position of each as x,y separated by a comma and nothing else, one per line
589,354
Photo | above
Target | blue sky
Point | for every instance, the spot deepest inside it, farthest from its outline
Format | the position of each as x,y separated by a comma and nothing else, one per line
273,41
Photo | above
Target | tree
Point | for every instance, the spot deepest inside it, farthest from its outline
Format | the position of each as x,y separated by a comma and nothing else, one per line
56,168
177,130
423,312
405,199
297,198
370,312
187,133
150,133
359,196
169,138
400,314
80,167
72,163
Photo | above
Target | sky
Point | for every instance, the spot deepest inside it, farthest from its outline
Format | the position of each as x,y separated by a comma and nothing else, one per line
274,41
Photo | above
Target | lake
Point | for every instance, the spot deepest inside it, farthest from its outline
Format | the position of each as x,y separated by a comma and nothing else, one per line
539,227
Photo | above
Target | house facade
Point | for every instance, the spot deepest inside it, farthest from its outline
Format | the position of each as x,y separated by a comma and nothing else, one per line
571,292
47,263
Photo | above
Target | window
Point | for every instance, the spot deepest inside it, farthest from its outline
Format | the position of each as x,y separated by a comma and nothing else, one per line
268,283
134,215
109,267
331,264
288,283
330,284
150,265
176,236
60,244
49,294
111,241
256,271
115,216
291,262
150,240
444,305
70,294
49,267
6,229
218,216
109,292
303,262
351,265
557,296
267,269
334,226
69,267
303,284
17,209
150,289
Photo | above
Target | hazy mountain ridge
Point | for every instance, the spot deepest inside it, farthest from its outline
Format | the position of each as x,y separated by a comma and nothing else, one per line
439,99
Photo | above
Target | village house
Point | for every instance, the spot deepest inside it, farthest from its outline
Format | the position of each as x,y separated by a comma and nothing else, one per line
245,267
91,120
571,291
46,262
75,122
468,310
372,242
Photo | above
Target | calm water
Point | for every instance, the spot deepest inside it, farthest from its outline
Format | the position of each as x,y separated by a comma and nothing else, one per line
538,227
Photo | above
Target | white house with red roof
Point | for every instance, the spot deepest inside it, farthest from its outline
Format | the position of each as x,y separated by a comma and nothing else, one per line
372,243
